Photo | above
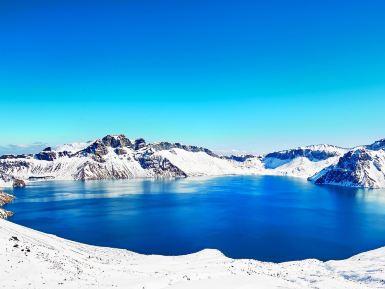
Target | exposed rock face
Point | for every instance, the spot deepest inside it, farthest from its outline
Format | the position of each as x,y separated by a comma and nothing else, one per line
97,148
4,177
139,144
18,183
116,141
120,151
359,167
161,166
4,214
240,158
117,157
313,153
5,199
46,155
112,157
40,178
5,157
167,146
378,145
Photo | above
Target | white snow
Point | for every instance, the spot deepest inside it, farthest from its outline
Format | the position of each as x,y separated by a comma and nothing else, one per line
202,164
31,259
126,165
127,162
368,172
4,184
301,167
72,147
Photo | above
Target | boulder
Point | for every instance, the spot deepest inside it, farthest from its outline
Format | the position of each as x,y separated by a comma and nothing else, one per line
18,183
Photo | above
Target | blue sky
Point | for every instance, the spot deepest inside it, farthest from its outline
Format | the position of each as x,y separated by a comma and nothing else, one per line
249,75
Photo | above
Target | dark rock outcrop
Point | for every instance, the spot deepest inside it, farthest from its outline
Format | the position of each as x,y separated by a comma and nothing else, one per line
139,144
357,168
239,158
96,148
117,141
311,154
378,145
9,157
18,183
5,199
46,155
167,146
161,166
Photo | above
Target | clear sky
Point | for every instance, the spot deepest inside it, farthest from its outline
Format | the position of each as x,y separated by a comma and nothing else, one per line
249,75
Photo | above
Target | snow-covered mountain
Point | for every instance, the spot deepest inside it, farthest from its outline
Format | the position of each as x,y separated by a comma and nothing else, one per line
360,167
303,161
300,162
117,157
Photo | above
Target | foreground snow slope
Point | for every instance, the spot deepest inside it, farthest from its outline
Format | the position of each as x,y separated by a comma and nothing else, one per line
31,259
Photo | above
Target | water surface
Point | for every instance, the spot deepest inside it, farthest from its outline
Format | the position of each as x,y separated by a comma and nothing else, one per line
261,217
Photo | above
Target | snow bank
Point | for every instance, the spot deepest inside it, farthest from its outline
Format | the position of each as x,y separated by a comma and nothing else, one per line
31,259
202,164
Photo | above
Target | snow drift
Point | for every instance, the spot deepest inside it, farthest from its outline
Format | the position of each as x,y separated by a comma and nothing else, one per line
31,259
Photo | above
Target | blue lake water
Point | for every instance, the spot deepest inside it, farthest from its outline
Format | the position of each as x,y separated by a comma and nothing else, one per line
261,217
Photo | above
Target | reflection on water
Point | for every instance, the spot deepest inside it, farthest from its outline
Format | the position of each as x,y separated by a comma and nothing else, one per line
263,217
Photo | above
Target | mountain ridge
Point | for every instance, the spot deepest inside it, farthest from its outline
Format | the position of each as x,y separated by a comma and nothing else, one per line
118,157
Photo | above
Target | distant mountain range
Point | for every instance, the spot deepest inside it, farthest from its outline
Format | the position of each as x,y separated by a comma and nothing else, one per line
117,157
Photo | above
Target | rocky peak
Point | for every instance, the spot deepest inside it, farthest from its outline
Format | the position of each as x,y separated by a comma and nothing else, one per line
116,141
97,148
46,155
378,145
313,153
354,159
139,143
359,167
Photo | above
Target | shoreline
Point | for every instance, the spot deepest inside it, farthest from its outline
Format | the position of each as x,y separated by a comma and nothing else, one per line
48,261
194,177
4,200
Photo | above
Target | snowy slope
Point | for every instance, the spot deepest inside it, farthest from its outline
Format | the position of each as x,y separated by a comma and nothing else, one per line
117,157
202,164
302,167
360,167
73,147
301,162
112,157
31,259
